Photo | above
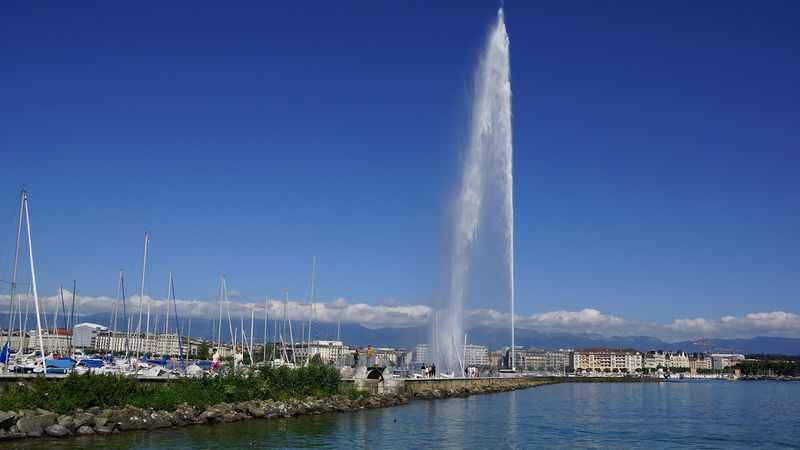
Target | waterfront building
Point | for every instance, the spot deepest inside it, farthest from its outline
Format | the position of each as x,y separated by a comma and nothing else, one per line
165,344
606,360
84,333
557,361
384,356
518,355
496,359
699,361
654,360
17,341
531,360
423,354
720,361
677,360
329,351
475,355
56,341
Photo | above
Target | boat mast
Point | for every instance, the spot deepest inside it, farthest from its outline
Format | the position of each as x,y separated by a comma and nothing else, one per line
64,312
166,316
33,280
289,320
311,302
14,267
219,321
125,314
276,333
71,323
252,335
243,337
189,335
141,295
234,350
146,342
55,327
266,321
228,308
171,293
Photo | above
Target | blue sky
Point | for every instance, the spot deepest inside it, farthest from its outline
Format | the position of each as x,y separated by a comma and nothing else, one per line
656,148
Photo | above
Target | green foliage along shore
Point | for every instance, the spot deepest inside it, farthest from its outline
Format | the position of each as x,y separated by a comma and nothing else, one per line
111,391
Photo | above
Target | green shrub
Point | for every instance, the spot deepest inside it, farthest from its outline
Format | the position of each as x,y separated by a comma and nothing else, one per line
111,391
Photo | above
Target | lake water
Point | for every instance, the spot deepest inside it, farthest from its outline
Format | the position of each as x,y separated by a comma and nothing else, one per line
710,414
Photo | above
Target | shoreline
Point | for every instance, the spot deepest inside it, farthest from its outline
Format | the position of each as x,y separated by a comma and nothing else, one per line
38,423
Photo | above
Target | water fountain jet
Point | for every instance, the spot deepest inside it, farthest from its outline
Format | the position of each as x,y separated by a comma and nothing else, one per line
487,168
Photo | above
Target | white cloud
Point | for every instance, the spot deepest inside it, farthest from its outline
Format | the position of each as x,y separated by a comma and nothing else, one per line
395,314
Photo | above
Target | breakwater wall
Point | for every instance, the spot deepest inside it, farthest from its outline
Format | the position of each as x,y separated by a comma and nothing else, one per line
430,388
459,387
34,423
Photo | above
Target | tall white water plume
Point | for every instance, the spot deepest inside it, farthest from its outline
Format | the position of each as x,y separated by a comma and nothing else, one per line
487,170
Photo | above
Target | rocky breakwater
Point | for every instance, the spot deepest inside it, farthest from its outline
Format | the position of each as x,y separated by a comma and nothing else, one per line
42,423
430,389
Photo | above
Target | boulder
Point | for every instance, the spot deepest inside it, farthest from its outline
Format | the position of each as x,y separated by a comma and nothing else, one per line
85,430
100,421
157,419
103,429
126,419
67,422
183,415
207,415
34,425
57,430
255,409
83,418
7,419
233,416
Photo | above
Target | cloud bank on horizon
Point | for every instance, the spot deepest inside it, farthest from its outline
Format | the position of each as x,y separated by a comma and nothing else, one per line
588,320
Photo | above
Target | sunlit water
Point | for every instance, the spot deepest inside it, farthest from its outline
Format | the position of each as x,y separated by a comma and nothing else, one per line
666,415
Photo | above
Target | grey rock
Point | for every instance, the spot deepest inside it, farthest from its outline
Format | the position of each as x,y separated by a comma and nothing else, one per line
57,430
85,429
184,414
127,419
100,421
157,419
256,410
83,418
7,419
67,422
34,425
103,429
207,416
233,416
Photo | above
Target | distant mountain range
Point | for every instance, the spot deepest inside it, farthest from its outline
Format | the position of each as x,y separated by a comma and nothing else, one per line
494,338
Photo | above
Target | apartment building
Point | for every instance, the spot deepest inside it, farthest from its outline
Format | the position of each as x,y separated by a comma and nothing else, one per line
606,360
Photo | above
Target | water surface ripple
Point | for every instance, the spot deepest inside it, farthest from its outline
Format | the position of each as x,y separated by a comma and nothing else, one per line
591,415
